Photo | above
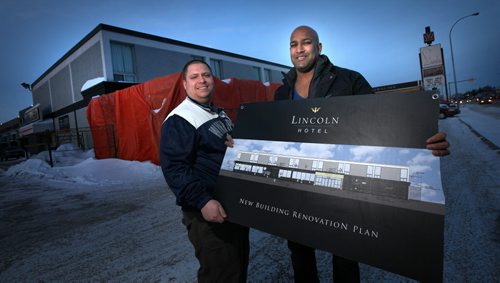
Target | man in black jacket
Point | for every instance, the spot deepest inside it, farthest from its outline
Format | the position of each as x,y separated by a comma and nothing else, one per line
313,76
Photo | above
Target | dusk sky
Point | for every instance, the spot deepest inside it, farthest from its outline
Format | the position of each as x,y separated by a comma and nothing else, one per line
380,39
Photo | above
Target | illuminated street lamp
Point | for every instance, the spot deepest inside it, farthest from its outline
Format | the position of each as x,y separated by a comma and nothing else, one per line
451,48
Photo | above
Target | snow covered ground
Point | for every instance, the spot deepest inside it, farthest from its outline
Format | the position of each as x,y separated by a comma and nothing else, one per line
114,220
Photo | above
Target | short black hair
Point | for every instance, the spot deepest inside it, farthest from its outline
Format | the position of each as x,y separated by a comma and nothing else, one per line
191,62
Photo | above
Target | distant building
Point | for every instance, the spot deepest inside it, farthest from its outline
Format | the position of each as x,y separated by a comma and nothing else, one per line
413,86
121,58
9,133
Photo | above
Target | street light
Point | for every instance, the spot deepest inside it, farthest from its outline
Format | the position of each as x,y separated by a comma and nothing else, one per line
26,86
451,48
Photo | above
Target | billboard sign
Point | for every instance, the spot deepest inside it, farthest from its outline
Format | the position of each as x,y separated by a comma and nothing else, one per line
431,56
30,115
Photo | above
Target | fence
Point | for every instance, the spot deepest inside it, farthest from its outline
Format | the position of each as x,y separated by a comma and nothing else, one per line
82,139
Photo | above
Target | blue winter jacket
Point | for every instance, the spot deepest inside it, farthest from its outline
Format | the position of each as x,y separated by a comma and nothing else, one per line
192,148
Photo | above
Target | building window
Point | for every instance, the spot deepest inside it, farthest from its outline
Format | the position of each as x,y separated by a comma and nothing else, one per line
303,176
273,160
256,71
369,171
242,167
284,173
404,175
64,122
122,56
347,169
267,75
257,169
198,57
216,66
294,163
373,171
254,158
344,168
317,165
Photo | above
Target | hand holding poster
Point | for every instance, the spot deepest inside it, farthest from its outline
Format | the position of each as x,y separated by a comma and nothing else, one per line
348,174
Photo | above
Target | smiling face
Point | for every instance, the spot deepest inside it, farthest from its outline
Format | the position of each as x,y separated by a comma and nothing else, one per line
199,83
304,48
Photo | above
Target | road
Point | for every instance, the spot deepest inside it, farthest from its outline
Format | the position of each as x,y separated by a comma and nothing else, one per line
483,120
471,182
471,179
53,234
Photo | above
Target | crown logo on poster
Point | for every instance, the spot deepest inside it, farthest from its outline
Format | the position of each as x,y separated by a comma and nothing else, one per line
315,109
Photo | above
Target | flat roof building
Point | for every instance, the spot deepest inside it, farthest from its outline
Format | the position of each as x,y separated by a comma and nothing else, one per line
120,58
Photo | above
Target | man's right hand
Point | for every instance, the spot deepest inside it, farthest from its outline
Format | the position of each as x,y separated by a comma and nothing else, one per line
213,211
229,141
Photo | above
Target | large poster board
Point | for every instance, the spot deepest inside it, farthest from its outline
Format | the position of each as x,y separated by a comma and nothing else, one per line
346,174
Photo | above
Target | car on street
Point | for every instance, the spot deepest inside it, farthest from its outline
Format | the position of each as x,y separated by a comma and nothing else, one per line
485,100
12,152
448,110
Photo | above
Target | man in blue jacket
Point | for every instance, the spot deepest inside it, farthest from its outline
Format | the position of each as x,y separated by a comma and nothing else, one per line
192,148
313,76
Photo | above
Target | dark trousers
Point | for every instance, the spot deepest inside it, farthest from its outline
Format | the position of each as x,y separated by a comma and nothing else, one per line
304,265
222,249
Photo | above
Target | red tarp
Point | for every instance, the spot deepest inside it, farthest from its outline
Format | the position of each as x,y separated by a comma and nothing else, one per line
131,118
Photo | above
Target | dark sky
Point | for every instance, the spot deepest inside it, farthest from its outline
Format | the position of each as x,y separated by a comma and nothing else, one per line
380,39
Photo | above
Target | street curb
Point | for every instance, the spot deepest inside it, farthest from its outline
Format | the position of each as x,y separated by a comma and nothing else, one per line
482,138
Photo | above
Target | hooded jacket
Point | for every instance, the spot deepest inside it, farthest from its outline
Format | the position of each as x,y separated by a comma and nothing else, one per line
328,80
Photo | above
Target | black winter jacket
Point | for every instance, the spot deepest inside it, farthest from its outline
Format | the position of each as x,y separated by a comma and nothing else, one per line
328,80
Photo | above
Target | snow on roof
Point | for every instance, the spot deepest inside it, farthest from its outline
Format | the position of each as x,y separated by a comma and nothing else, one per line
92,82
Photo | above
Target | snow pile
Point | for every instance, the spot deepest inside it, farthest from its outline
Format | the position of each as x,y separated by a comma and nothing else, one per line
33,167
77,166
64,155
